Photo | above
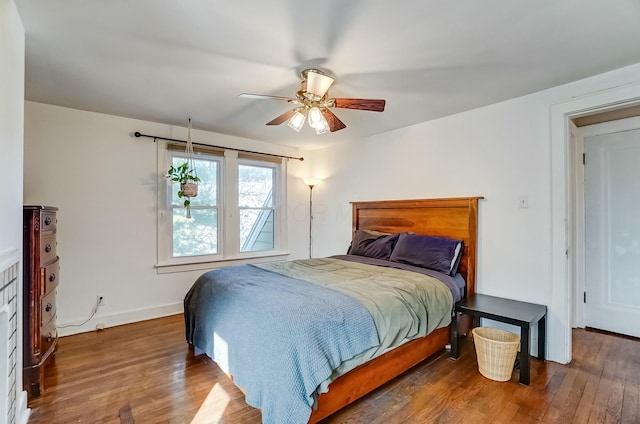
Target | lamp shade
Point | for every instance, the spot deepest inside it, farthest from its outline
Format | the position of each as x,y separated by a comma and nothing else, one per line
323,127
297,121
318,84
311,182
315,118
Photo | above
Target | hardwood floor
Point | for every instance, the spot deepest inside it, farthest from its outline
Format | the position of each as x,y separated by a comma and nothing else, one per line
147,371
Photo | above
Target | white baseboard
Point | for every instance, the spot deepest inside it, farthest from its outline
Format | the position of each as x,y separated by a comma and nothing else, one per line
121,318
22,412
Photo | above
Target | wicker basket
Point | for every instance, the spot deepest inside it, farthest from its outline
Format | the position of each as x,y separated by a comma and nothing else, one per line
496,352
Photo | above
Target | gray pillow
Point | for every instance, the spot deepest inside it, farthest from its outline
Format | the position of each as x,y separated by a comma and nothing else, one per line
440,254
372,244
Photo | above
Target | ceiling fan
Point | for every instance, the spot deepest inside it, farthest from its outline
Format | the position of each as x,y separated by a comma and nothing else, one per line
312,104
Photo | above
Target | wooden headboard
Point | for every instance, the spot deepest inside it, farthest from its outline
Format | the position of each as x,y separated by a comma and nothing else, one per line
455,218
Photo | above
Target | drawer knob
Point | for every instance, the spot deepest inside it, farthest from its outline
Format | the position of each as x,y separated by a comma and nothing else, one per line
49,337
52,277
47,248
49,307
47,221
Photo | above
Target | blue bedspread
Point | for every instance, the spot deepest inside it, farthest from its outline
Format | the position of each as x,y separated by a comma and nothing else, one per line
279,337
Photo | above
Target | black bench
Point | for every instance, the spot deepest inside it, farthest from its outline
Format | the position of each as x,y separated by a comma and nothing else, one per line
514,312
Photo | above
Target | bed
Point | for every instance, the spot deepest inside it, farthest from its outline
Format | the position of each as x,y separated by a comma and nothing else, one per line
351,339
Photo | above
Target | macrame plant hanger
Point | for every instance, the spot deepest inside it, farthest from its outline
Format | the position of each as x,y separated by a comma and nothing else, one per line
190,188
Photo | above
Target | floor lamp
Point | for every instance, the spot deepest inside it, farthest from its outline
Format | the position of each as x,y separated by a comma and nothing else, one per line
311,182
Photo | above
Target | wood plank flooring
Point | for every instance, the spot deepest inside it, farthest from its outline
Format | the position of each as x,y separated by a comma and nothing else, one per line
147,370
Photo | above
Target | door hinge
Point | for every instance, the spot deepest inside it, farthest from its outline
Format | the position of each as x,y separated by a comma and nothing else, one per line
584,158
585,297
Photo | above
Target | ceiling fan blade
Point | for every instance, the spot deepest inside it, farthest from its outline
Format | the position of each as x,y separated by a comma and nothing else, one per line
265,97
360,104
282,118
334,123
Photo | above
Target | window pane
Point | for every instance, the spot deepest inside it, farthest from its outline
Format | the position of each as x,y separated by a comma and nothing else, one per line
197,235
256,230
207,171
255,184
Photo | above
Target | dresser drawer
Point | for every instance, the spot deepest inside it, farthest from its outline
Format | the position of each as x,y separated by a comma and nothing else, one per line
48,222
47,248
48,308
48,336
51,277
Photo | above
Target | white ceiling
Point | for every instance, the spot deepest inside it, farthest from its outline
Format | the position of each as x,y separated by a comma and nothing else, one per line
168,60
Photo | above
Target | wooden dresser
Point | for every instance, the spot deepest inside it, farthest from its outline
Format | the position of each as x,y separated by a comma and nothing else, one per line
40,278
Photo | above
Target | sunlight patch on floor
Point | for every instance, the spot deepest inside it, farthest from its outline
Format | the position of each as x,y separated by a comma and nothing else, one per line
213,407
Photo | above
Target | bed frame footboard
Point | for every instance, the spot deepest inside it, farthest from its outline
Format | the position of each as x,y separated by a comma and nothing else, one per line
373,374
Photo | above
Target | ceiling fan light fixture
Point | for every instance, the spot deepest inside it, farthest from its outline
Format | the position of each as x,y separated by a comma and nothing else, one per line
297,121
317,84
315,117
323,127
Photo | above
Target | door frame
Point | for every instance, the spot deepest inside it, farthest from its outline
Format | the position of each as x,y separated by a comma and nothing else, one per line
563,222
576,208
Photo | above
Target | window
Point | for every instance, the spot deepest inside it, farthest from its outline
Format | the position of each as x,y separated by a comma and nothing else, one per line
197,235
255,201
237,215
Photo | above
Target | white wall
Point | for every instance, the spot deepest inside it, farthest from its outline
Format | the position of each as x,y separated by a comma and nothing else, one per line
501,152
103,180
11,124
12,47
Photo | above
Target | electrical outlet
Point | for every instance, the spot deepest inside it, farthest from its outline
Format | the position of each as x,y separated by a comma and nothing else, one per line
101,300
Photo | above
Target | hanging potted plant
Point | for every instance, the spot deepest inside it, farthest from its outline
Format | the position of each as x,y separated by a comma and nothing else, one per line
186,176
188,180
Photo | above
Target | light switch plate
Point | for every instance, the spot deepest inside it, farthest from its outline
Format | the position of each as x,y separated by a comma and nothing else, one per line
523,202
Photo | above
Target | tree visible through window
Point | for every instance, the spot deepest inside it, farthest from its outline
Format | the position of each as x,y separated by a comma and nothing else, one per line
199,234
234,217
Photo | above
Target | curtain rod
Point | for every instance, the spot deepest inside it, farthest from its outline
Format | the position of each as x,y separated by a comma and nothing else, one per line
155,137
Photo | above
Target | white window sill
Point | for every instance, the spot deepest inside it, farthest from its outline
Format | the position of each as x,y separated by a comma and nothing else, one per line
195,265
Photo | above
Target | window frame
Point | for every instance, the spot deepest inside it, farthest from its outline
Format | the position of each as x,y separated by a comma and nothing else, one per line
228,215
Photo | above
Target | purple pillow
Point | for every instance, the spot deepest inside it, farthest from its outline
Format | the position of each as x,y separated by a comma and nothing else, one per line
440,254
373,245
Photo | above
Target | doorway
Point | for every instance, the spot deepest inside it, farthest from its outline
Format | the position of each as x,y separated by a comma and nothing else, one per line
563,255
606,232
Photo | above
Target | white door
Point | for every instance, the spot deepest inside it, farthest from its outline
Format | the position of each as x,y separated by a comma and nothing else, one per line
612,231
